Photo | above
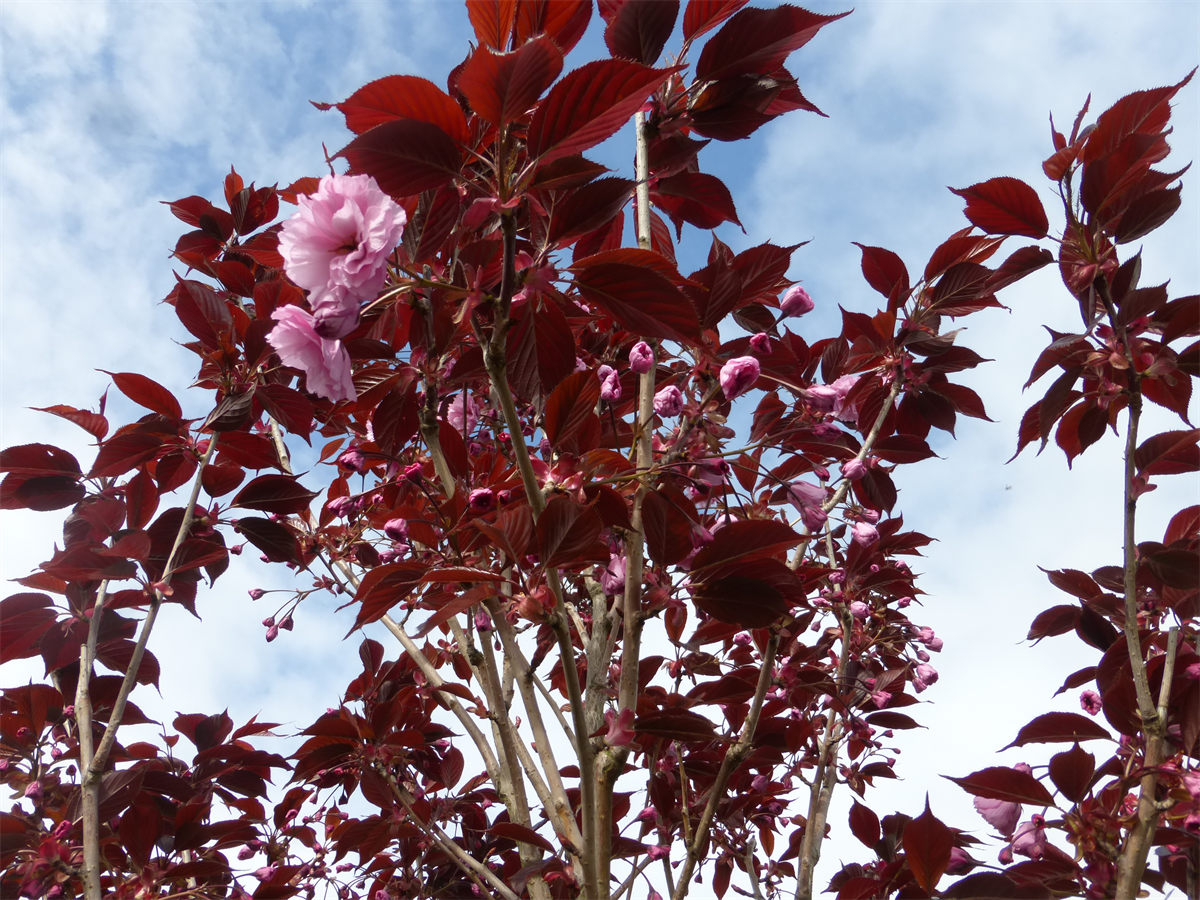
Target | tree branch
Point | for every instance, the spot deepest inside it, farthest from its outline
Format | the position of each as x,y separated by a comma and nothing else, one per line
733,758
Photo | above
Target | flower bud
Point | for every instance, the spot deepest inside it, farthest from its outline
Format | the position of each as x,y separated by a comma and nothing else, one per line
860,610
272,633
641,358
865,534
610,384
354,460
796,302
738,376
668,402
482,500
412,472
396,529
257,593
854,469
761,343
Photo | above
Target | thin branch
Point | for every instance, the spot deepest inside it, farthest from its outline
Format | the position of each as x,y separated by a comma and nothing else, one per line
83,719
734,757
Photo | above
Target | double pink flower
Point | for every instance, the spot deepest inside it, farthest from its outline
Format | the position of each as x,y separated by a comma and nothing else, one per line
336,247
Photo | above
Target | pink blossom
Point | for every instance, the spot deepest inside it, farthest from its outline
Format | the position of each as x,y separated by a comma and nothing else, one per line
658,852
842,410
483,622
923,676
960,862
1002,815
813,517
354,460
462,413
796,302
612,576
325,363
854,469
336,247
802,494
821,398
738,376
641,358
1030,839
272,633
1191,783
620,728
761,343
881,698
396,529
865,534
1090,702
482,499
668,402
872,516
610,384
904,602
860,610
926,636
412,472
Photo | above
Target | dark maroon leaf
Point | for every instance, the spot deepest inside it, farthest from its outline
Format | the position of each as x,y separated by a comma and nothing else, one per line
280,494
93,423
1071,771
758,41
890,719
864,825
588,208
884,271
1005,206
405,156
927,846
641,299
568,534
570,411
1059,728
639,31
40,493
275,540
501,87
741,600
675,724
702,16
147,392
697,198
745,540
39,459
590,104
385,586
1004,783
514,832
404,97
395,420
124,452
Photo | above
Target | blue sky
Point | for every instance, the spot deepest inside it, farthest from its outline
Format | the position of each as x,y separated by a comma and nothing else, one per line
108,108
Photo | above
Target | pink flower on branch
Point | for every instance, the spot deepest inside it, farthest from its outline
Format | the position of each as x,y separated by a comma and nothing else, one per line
668,402
610,384
641,358
336,247
325,363
796,302
1003,815
738,376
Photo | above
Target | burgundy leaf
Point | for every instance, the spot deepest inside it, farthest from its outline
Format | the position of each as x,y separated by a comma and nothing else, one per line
404,97
1059,728
1004,783
639,30
501,87
405,156
927,846
758,41
1005,205
280,494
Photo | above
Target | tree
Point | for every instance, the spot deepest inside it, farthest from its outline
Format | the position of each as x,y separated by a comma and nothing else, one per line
527,464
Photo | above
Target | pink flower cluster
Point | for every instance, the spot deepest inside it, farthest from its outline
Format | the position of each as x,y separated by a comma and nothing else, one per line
336,247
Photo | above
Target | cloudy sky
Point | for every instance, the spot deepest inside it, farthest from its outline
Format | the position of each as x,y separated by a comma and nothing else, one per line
108,108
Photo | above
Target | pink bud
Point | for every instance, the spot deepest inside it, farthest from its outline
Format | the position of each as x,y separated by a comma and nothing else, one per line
864,533
268,621
354,460
412,472
871,516
483,622
34,791
668,402
1090,702
482,500
641,358
272,633
610,384
854,469
796,302
802,494
287,623
761,343
860,610
245,853
257,593
904,602
814,517
923,676
620,728
658,852
396,529
738,376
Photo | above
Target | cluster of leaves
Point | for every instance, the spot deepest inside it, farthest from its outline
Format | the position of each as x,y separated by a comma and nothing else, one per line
502,482
1146,794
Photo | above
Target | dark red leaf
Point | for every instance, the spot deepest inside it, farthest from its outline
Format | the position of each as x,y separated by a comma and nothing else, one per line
1056,620
741,600
1019,264
40,492
1147,213
492,21
1003,783
254,451
568,534
1162,453
758,41
1071,771
884,271
1005,205
385,586
514,832
203,314
501,87
589,105
404,97
864,825
588,208
38,459
570,412
124,452
93,423
927,846
395,420
405,156
697,198
639,30
987,886
275,540
1174,568
675,724
541,349
1059,728
745,540
1143,112
641,299
890,719
280,494
288,407
701,16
